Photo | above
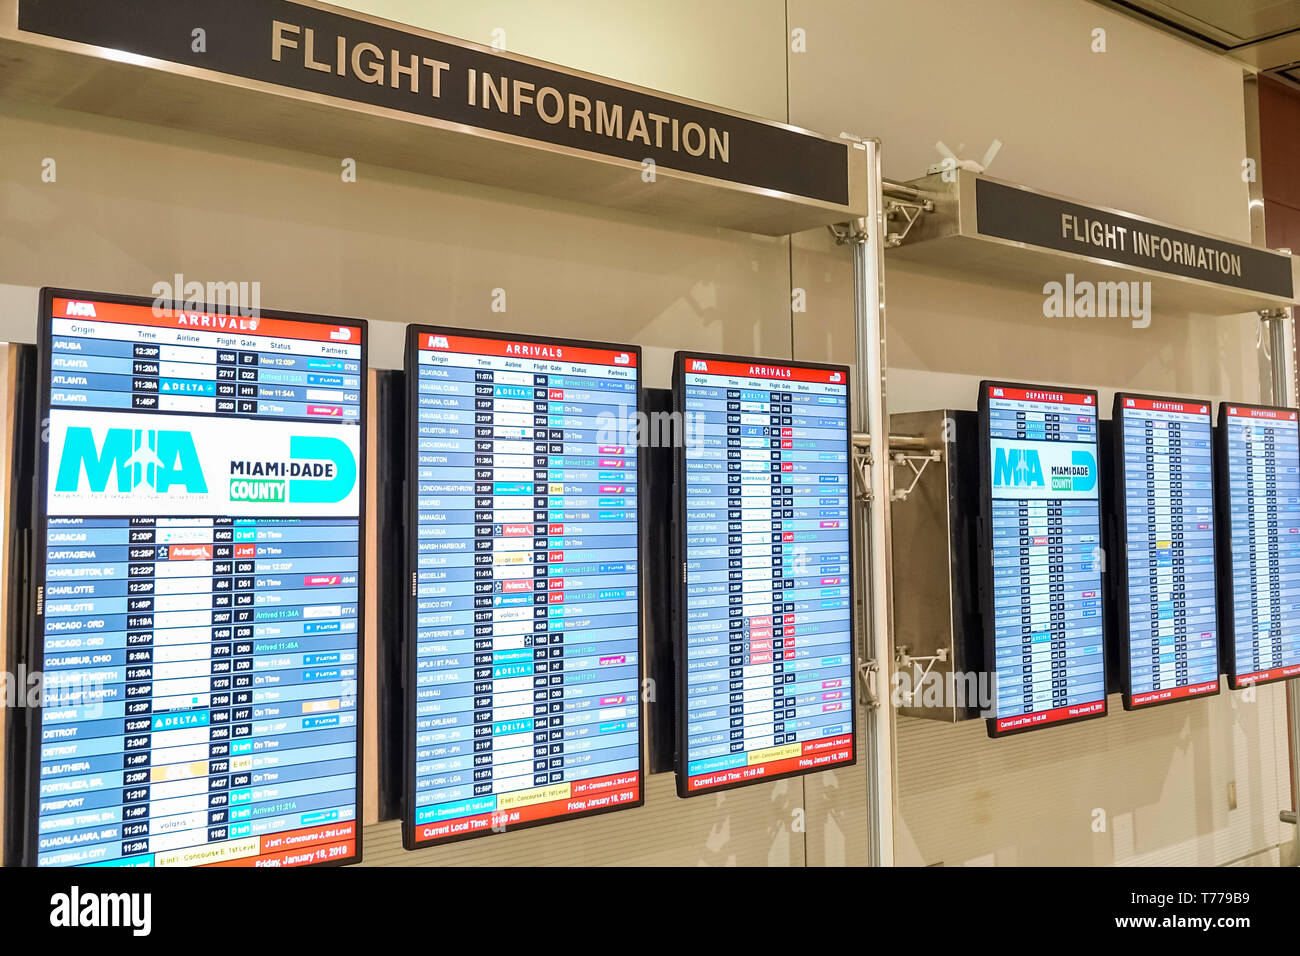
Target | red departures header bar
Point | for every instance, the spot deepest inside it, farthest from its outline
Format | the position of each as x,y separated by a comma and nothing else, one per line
95,311
1040,395
1277,414
559,352
1162,405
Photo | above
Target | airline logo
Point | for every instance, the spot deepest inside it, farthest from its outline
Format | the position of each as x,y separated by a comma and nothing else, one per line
82,309
1022,467
159,460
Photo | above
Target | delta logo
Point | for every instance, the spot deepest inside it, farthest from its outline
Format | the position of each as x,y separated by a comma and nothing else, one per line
1023,468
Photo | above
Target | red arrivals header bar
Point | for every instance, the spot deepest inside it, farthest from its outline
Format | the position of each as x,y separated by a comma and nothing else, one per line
766,370
578,354
147,315
1040,395
1275,414
1162,405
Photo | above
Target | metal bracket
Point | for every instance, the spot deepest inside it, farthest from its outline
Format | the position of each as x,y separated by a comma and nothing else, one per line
908,213
902,660
862,462
867,671
898,458
850,233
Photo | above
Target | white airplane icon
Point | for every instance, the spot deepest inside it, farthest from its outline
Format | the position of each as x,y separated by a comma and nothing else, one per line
145,457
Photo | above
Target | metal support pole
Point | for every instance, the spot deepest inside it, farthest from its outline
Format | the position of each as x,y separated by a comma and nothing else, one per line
871,514
1279,333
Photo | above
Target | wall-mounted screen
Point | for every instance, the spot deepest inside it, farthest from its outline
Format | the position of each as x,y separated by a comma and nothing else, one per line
199,573
1259,492
764,616
524,656
1165,564
1044,629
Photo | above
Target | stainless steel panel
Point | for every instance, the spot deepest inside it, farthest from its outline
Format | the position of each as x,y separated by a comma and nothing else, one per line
936,633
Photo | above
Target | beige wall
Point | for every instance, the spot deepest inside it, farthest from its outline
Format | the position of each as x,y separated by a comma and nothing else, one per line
1153,126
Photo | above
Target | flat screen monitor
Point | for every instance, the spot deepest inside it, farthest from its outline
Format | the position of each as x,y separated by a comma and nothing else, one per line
1040,541
764,615
199,576
1164,570
1260,543
524,641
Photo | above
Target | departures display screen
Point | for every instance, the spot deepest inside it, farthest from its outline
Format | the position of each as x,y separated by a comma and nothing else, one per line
1261,455
199,573
1168,612
1044,627
765,610
524,647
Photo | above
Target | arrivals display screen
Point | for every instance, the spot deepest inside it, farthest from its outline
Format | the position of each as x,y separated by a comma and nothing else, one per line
199,572
524,645
1165,570
1041,556
765,609
1260,495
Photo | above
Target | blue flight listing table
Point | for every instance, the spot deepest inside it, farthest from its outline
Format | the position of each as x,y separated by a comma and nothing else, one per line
1262,611
199,584
524,660
1168,611
1044,629
765,659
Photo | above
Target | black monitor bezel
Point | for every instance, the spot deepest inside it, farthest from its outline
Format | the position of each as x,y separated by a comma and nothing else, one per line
986,551
45,329
680,360
413,333
1122,611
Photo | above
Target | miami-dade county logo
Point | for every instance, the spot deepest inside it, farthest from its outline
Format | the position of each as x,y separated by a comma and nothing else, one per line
144,462
319,471
1023,468
130,460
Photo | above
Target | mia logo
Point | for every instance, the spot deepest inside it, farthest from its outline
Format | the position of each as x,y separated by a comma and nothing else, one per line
1023,468
130,461
1017,468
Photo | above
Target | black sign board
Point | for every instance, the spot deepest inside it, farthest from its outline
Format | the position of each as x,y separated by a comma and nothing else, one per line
1021,215
318,50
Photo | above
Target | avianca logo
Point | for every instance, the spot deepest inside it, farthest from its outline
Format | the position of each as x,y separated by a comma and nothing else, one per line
129,459
86,309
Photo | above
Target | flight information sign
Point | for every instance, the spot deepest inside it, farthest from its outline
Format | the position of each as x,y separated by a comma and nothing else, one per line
1041,556
764,616
1165,565
524,646
1260,491
199,572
